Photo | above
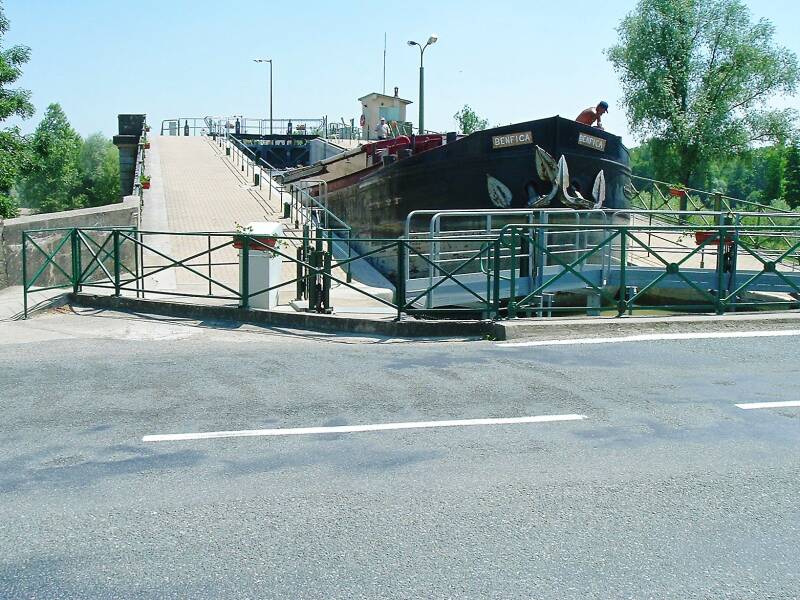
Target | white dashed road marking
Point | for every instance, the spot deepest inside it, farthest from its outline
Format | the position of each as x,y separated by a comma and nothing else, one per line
786,404
173,437
654,337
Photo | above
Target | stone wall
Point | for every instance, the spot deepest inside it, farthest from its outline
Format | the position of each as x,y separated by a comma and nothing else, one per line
121,214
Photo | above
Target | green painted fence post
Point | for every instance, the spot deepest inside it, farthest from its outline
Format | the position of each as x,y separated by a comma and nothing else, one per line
622,304
24,276
720,269
244,288
76,265
349,255
400,288
496,276
512,305
115,235
313,271
301,282
326,282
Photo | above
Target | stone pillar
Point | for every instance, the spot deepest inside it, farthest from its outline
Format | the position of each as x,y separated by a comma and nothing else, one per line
130,128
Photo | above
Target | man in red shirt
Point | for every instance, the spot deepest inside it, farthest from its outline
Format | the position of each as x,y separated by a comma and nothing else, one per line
590,115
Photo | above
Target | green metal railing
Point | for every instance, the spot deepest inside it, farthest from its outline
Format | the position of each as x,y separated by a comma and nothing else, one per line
722,289
688,205
515,270
120,260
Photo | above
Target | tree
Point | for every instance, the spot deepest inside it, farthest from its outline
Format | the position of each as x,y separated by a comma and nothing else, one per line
13,103
697,76
99,170
791,176
53,183
468,120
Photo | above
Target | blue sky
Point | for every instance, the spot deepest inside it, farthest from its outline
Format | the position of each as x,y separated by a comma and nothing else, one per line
511,60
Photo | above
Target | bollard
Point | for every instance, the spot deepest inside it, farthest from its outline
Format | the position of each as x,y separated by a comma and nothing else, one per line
256,178
287,210
227,150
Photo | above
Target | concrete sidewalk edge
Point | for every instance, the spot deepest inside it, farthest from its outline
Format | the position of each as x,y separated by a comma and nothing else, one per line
621,326
553,328
296,320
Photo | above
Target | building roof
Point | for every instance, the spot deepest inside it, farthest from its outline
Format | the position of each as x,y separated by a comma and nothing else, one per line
376,95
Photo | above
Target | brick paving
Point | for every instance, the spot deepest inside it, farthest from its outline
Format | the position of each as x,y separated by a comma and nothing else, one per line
204,192
197,188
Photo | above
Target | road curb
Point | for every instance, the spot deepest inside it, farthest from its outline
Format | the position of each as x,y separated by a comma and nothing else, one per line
293,320
551,328
565,328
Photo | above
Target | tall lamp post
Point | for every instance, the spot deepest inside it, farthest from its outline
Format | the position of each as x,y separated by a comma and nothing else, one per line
431,40
268,60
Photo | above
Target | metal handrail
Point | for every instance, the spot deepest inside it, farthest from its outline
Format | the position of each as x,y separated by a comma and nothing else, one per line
721,288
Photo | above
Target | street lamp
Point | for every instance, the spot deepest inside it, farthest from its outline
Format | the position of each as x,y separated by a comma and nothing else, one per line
268,60
431,40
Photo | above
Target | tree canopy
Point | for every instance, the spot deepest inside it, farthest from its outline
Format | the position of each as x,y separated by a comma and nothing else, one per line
99,170
697,76
53,180
14,102
791,176
469,121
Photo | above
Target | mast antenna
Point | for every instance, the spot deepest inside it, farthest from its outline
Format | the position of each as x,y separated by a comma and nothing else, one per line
384,62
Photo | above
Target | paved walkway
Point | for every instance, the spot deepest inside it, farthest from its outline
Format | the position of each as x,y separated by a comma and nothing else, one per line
12,304
196,187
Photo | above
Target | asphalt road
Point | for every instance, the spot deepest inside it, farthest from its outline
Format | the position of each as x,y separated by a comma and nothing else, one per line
665,490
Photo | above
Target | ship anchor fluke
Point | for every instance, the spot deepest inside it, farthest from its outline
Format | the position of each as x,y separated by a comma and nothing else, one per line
546,166
599,190
572,197
573,200
499,193
547,170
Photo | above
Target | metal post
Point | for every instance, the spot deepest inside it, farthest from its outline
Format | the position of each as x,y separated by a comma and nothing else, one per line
400,288
244,291
136,261
141,262
326,282
301,282
313,300
349,255
720,269
76,267
421,96
115,235
623,260
270,97
496,276
512,305
24,277
209,264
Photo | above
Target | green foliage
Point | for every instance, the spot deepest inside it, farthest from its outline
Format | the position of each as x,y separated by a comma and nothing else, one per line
791,176
468,121
697,76
13,103
98,164
8,207
755,175
53,182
